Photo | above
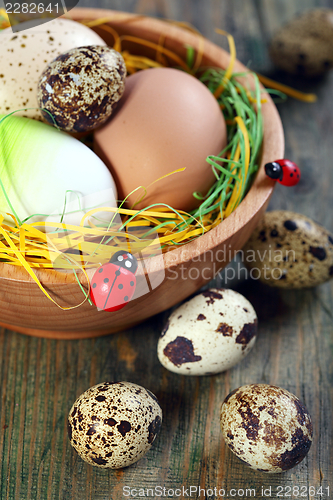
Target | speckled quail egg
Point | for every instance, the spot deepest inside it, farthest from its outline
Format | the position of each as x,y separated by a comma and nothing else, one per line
267,427
24,56
304,46
208,334
80,88
112,425
289,250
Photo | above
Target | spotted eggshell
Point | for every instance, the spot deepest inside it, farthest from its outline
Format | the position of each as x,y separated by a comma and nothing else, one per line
208,334
304,46
24,56
81,87
267,427
112,425
289,250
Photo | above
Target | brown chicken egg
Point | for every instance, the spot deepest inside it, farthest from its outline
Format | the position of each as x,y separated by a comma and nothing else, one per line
166,120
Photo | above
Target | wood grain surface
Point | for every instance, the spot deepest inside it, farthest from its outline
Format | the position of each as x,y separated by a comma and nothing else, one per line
40,379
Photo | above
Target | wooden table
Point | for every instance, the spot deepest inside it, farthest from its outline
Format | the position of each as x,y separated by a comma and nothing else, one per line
40,379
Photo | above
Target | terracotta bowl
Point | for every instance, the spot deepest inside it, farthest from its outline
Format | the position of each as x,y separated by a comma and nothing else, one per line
176,275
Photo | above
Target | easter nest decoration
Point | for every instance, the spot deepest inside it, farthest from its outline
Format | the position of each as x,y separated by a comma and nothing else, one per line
178,251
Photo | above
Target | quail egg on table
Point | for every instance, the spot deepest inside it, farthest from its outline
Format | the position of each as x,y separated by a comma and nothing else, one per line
267,427
289,250
304,46
112,425
79,89
208,334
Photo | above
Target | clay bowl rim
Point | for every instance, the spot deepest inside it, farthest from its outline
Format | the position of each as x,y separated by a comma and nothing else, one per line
258,194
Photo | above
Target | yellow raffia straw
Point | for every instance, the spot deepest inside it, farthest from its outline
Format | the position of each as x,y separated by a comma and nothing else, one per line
27,267
160,58
230,68
154,182
103,20
296,94
107,28
139,62
235,197
119,39
233,168
154,46
4,20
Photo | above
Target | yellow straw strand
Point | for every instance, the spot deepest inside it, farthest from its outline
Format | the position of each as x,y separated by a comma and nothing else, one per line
234,200
296,94
4,20
155,46
230,68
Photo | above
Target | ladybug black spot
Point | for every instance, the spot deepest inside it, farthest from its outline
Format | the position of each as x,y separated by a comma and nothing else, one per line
106,280
100,270
132,283
94,285
120,286
291,175
117,273
126,298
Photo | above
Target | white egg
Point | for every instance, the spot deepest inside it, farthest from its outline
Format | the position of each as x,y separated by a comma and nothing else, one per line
44,170
208,334
24,56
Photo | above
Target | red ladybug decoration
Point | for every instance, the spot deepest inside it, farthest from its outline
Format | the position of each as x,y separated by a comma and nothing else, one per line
285,172
113,284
